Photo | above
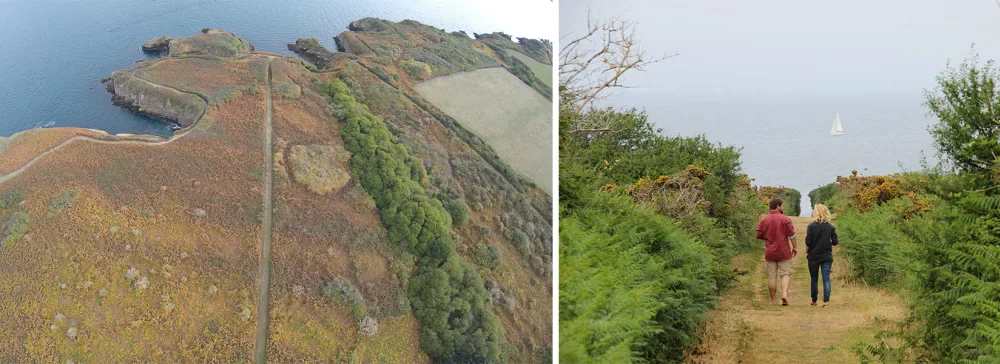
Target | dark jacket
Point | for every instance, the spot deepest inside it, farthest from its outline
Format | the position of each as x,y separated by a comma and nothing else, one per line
820,239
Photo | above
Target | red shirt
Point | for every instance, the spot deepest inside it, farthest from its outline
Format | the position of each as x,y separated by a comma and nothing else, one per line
775,229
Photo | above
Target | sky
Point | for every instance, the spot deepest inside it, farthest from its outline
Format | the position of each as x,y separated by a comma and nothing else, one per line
801,47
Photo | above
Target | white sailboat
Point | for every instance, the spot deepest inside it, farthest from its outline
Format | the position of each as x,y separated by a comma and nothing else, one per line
837,129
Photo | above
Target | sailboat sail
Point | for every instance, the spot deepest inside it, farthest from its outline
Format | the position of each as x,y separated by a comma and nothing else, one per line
837,129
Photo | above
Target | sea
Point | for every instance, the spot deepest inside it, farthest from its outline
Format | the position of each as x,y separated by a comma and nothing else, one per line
785,137
53,53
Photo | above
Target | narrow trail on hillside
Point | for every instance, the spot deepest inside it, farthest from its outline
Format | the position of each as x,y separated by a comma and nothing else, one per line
260,352
120,139
746,328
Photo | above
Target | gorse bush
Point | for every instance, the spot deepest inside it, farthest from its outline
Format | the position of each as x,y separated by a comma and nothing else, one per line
447,294
791,197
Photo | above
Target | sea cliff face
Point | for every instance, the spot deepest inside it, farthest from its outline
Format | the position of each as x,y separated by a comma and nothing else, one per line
155,101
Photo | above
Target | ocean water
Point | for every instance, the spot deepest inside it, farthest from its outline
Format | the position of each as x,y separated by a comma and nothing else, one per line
53,53
785,138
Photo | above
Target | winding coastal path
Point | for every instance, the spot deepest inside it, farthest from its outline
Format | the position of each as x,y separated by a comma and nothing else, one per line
746,328
260,352
116,139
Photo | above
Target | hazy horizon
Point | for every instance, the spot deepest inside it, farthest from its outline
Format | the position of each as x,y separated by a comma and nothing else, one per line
851,47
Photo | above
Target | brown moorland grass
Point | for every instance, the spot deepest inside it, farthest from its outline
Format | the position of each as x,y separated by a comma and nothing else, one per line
26,145
134,209
319,238
218,79
746,328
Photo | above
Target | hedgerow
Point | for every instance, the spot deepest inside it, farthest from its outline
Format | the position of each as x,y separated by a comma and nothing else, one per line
447,294
633,284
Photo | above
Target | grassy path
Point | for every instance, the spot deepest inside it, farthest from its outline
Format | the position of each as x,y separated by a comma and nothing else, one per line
746,328
265,250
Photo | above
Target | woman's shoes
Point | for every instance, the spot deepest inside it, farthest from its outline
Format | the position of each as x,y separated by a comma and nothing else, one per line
813,304
826,304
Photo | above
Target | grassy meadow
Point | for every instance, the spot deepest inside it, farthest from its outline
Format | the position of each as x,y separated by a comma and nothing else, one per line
515,121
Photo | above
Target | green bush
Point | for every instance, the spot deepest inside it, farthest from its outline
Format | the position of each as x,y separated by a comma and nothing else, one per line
12,199
417,70
386,75
458,210
447,295
822,194
63,200
633,286
344,291
15,228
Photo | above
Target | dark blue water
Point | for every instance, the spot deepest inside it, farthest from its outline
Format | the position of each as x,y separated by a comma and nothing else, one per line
53,53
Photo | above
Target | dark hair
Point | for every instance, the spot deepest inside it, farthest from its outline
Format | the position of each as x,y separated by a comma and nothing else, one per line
775,203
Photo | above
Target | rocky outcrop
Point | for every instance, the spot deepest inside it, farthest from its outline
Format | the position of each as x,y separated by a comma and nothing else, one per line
349,43
211,42
370,25
157,44
312,51
154,100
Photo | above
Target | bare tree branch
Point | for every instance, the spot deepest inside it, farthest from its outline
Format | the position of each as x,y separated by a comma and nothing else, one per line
591,66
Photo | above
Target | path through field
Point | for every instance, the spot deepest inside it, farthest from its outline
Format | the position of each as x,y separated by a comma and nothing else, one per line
746,328
265,248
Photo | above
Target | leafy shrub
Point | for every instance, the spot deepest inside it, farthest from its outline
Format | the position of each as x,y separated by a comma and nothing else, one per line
458,210
489,255
522,242
822,194
12,199
386,75
63,200
15,228
344,291
417,70
447,294
790,196
966,102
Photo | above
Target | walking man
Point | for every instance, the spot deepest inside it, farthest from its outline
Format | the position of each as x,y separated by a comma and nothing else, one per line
776,230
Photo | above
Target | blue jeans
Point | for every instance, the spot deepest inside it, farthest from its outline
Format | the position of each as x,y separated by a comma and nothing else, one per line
813,268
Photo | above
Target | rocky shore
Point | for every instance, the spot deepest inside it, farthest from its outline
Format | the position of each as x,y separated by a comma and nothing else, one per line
312,51
157,44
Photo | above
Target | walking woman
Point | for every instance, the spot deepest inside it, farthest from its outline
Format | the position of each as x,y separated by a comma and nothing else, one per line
821,236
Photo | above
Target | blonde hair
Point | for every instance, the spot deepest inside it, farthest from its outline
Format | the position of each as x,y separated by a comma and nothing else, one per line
821,213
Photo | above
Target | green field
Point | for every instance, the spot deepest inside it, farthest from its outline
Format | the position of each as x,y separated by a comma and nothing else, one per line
497,106
541,70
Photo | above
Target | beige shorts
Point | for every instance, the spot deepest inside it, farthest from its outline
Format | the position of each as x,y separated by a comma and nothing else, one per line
776,267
